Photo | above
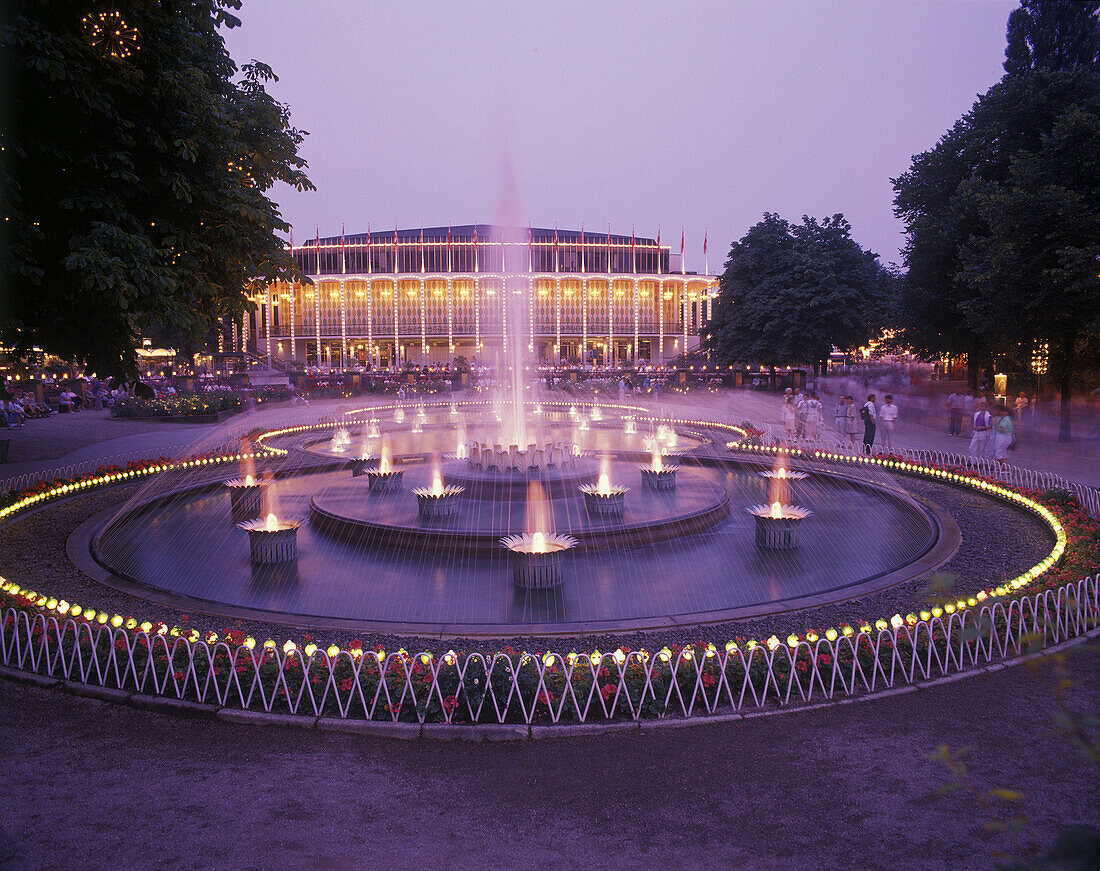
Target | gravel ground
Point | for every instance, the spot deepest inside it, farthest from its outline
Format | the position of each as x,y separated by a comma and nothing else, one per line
998,542
91,785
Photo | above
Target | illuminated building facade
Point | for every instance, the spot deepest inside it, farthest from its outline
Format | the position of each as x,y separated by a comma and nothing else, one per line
428,295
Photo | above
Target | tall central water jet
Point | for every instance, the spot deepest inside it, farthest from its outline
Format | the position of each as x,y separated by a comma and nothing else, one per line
516,333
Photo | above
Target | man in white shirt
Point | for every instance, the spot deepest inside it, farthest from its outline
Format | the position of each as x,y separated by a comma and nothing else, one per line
981,426
888,417
868,413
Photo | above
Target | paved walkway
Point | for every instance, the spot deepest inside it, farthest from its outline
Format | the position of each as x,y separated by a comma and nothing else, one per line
66,439
95,786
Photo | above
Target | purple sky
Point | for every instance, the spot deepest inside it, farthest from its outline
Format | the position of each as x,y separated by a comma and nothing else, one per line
640,114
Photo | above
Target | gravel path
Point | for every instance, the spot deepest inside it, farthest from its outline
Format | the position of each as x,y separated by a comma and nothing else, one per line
104,787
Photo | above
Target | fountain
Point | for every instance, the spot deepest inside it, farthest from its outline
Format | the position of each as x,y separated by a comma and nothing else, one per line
271,540
372,428
779,481
629,426
340,440
537,553
246,498
777,525
438,500
399,415
657,475
384,478
603,497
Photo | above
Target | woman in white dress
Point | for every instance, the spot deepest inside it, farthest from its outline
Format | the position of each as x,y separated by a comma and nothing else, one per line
789,417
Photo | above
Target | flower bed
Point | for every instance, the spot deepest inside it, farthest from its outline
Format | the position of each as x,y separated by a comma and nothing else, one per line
42,634
188,405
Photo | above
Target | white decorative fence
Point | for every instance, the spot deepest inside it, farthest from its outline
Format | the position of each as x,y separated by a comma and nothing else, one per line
532,688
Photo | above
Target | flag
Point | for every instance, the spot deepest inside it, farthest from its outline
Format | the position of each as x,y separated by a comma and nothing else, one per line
681,243
704,243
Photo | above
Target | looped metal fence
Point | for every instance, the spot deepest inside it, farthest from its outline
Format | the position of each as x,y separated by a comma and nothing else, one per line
529,688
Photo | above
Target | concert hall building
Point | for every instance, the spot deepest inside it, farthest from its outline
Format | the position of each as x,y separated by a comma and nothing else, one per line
428,295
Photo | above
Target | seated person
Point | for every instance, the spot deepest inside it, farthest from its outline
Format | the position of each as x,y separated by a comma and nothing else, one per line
65,402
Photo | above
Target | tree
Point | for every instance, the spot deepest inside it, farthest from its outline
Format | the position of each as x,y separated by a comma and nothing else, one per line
791,293
946,198
1052,35
137,161
1040,257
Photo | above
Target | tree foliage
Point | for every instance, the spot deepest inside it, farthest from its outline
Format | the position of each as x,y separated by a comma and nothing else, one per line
136,173
998,214
1052,35
790,293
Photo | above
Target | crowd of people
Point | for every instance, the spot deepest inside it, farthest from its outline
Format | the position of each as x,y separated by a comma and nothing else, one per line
993,429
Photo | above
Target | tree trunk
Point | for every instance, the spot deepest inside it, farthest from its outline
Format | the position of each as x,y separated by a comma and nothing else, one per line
1064,380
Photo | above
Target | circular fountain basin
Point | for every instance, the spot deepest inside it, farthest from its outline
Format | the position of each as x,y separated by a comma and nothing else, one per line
341,511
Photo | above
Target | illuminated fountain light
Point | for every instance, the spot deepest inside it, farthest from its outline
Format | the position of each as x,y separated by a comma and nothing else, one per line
271,540
777,525
246,498
399,415
630,427
603,497
438,500
537,558
384,478
513,459
421,414
360,464
340,440
538,408
659,475
779,483
596,414
582,423
454,410
372,428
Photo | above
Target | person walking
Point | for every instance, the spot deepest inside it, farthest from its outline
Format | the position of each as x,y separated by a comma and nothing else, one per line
852,419
840,416
888,417
1003,433
956,403
981,424
868,413
789,416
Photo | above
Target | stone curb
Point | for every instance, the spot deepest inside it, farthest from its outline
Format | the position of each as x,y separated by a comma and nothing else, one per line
262,718
493,732
376,728
180,707
28,677
104,694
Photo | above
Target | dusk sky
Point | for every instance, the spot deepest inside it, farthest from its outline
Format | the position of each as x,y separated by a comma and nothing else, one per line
641,115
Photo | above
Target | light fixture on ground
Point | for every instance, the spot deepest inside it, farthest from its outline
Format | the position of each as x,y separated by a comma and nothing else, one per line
777,525
271,540
246,498
537,558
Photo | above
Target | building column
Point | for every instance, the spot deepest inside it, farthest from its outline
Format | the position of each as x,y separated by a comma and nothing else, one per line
423,326
317,317
396,329
637,324
450,318
610,321
660,322
293,337
584,321
557,318
370,321
267,324
686,305
343,324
